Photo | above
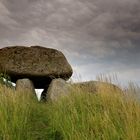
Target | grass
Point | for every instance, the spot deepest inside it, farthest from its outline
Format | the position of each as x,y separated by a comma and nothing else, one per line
22,117
108,115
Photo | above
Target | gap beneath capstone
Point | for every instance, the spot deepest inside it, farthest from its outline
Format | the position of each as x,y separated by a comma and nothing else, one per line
38,93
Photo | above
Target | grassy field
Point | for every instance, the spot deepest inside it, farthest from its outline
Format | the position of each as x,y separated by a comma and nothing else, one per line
108,115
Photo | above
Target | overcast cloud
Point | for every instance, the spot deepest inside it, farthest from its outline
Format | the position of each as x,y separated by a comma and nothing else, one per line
97,36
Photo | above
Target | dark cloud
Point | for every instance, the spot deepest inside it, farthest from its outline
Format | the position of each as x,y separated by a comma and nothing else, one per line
96,36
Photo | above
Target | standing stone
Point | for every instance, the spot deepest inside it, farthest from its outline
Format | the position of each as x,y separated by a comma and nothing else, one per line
25,85
58,88
39,64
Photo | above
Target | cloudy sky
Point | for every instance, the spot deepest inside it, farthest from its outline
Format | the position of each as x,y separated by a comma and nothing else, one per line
97,36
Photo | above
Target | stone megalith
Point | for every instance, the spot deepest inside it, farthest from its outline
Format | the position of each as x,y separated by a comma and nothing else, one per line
25,85
39,64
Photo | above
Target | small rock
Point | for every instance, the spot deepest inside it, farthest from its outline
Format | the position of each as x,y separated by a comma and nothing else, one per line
57,88
25,85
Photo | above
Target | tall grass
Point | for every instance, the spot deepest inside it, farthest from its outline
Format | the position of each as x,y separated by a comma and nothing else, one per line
107,115
21,116
14,112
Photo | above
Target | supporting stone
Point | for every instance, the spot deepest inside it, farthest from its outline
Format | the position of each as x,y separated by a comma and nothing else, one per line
57,88
25,85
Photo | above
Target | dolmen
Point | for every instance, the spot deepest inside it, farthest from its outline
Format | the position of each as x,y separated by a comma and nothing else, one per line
34,67
38,67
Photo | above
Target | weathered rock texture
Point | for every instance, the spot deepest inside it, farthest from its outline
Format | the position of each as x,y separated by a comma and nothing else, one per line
96,86
25,85
57,89
36,63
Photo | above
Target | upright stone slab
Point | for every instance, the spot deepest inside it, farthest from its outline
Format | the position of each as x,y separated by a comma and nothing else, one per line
57,88
36,63
25,85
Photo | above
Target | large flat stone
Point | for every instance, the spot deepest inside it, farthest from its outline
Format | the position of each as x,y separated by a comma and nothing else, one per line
36,63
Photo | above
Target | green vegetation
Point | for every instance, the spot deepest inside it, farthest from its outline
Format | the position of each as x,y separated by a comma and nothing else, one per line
22,117
5,80
108,115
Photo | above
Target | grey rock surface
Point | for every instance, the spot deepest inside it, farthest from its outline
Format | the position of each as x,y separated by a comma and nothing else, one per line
58,88
25,85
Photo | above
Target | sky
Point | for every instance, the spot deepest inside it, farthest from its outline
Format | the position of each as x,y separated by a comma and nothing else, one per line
96,36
